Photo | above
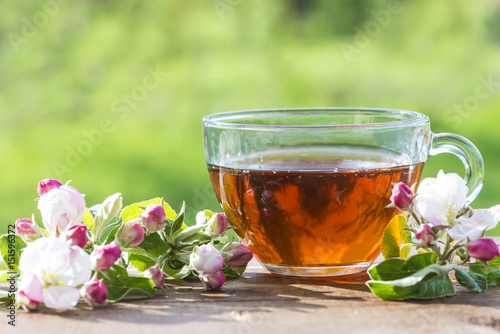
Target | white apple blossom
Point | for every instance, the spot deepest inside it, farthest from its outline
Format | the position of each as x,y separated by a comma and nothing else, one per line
442,200
61,208
439,200
58,267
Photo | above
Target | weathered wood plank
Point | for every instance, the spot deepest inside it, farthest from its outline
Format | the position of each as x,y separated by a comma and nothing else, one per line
261,302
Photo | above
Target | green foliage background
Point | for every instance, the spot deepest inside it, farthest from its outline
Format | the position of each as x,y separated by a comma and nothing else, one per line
68,66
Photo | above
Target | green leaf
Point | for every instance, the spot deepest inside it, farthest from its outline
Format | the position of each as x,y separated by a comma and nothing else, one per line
179,220
109,231
435,287
141,262
134,211
190,235
493,277
170,271
418,278
492,274
154,246
88,219
11,247
4,276
395,237
188,274
405,250
234,271
107,211
394,269
120,285
472,281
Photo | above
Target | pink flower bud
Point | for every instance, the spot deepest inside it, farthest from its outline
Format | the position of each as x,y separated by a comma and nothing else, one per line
154,217
94,292
240,255
105,256
425,234
130,234
483,249
402,195
218,223
27,230
30,291
47,185
156,275
206,260
213,281
76,236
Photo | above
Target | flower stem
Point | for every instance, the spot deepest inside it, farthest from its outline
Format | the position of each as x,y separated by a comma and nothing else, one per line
415,216
164,237
451,253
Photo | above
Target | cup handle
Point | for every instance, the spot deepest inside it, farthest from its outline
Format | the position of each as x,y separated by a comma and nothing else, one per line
467,153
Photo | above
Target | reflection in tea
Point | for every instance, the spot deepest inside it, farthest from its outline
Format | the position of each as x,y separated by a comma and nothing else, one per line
312,207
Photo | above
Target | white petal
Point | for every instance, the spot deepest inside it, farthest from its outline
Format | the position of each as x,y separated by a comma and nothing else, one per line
439,200
472,227
57,256
454,188
31,256
484,218
79,269
431,210
32,287
495,211
77,203
36,255
61,297
201,218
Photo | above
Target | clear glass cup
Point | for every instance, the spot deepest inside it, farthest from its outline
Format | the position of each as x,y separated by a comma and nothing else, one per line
307,189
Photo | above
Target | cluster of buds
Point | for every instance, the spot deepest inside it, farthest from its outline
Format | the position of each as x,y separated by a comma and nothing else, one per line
210,263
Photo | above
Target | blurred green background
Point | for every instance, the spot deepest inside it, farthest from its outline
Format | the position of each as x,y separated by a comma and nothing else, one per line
111,94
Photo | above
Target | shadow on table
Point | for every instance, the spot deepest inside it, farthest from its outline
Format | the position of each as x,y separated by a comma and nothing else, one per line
255,293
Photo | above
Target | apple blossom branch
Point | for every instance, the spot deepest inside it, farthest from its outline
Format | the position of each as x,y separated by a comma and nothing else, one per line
31,25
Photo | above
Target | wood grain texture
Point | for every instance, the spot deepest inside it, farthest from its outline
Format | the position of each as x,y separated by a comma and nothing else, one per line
260,302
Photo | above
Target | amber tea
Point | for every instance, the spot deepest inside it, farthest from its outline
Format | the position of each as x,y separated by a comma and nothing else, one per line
312,208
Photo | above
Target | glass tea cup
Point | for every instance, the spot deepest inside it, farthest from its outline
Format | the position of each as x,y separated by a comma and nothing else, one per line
307,189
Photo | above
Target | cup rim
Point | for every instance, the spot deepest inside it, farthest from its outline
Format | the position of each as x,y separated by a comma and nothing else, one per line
406,118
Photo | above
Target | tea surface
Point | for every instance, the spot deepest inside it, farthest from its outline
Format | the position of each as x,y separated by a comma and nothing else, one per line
312,209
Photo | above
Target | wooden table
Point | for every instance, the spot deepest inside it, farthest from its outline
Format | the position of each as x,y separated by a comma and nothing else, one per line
260,302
